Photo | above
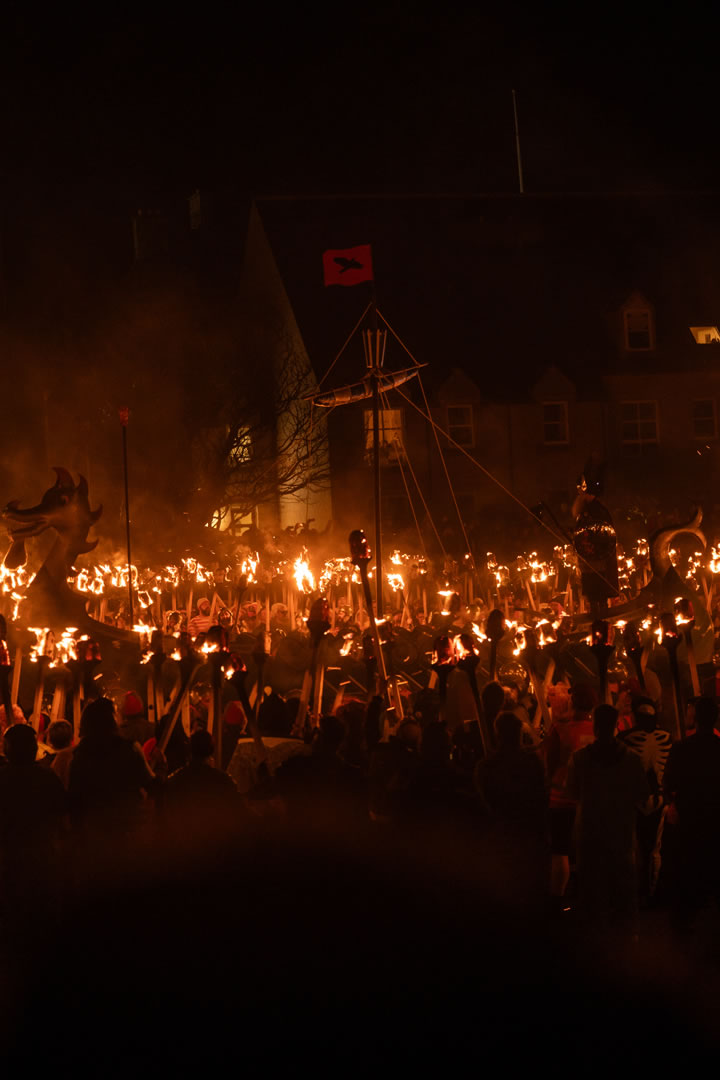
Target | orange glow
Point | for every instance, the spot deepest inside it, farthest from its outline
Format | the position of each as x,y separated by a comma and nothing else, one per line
303,575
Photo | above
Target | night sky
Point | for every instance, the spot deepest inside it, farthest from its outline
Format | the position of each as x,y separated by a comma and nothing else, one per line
124,111
125,107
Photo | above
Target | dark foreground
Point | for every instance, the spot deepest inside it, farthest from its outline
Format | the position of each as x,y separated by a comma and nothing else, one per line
276,953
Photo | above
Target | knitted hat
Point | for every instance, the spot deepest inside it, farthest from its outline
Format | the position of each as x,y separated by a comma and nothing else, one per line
132,705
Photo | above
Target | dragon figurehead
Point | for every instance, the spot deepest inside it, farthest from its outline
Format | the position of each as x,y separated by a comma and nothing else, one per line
65,508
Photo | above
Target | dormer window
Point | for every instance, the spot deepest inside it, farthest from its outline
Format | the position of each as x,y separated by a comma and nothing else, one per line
460,424
555,423
639,329
705,335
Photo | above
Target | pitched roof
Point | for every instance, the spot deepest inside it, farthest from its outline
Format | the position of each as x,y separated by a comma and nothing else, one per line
507,285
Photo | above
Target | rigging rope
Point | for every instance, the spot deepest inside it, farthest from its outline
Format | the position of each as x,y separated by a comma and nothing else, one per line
347,342
539,520
425,505
399,451
437,440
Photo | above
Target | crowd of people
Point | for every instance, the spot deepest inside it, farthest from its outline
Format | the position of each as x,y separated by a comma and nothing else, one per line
599,816
390,843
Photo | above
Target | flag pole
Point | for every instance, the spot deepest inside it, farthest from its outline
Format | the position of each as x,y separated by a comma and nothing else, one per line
374,361
124,417
350,266
517,145
376,469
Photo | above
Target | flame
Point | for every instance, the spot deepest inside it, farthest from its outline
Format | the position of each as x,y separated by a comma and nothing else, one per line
44,644
144,630
460,650
249,566
58,651
540,571
337,572
303,576
396,582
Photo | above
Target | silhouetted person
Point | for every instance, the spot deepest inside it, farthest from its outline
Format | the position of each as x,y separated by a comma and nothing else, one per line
610,785
692,783
33,806
567,735
59,740
201,804
493,702
322,790
511,781
108,775
175,753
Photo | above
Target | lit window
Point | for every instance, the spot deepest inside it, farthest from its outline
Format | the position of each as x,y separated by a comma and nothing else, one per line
231,519
555,422
241,451
639,334
705,335
638,422
460,424
391,440
704,420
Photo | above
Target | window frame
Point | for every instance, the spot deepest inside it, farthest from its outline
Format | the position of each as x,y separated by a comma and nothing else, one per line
566,424
628,312
389,451
471,425
693,418
640,441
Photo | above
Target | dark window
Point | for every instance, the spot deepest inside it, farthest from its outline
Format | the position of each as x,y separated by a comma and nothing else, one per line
466,505
555,422
396,511
638,329
638,422
460,424
703,419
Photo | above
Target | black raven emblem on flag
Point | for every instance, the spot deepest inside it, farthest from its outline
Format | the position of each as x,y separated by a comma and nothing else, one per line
347,264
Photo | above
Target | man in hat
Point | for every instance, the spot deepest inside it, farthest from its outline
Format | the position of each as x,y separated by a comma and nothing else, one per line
202,621
133,724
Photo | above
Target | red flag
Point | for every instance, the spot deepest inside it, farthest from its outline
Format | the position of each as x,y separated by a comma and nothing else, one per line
349,266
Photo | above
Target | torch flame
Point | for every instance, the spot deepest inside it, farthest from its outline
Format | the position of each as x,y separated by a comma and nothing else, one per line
303,575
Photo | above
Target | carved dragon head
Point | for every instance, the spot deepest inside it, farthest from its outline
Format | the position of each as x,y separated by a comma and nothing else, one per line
64,507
